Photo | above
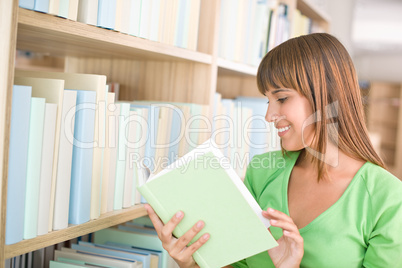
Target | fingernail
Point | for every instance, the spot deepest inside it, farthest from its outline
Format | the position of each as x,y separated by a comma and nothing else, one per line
205,236
179,214
200,224
271,210
273,221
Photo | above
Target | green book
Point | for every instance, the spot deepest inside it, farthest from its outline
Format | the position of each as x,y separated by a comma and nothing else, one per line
204,186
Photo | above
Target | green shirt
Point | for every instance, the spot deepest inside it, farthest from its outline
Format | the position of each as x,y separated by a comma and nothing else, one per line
362,229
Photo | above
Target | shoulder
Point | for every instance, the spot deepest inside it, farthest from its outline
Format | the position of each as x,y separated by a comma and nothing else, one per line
381,183
383,189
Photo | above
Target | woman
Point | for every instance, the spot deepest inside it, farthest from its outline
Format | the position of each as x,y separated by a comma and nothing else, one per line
333,204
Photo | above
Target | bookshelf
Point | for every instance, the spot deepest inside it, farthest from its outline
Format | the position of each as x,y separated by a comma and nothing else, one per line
147,70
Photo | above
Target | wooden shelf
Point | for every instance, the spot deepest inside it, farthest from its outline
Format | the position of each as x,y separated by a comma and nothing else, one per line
312,12
106,220
57,36
236,68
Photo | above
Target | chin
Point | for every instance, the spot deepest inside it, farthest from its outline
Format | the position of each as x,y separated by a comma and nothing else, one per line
288,146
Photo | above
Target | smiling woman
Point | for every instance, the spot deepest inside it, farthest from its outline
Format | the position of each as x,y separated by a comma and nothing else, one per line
332,204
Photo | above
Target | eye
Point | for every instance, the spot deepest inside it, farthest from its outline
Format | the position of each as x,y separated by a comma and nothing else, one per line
282,100
268,102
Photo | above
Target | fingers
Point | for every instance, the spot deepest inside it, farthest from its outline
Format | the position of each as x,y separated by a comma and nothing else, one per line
281,220
183,241
156,221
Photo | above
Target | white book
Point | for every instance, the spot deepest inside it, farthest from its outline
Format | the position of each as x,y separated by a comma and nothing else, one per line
125,16
54,7
49,131
109,128
113,142
62,186
88,11
73,9
36,123
130,151
95,259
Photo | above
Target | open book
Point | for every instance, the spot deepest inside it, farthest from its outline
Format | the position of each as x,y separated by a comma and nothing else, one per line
204,186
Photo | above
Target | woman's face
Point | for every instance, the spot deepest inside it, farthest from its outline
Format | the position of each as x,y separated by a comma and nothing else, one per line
291,113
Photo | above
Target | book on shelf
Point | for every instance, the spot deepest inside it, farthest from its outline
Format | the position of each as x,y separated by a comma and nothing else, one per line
106,14
93,259
52,90
204,186
89,82
121,155
45,186
37,118
135,17
17,163
81,170
88,11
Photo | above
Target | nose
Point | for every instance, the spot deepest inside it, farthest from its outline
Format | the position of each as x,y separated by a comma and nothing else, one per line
271,115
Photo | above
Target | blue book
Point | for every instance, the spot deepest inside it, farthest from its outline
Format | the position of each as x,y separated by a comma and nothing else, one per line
135,228
112,251
138,250
176,130
37,120
42,6
121,156
133,239
257,138
17,163
28,4
182,23
106,14
150,146
81,168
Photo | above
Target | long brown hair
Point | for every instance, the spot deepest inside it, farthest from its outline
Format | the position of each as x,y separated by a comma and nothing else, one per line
319,67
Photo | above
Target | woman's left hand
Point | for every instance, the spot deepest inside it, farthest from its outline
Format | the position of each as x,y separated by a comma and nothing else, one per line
290,251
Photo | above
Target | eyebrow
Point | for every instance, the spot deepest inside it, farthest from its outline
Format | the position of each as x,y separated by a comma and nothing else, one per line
279,90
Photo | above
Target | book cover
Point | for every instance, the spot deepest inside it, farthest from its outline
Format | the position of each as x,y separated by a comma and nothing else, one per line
204,186
37,118
49,132
81,169
17,163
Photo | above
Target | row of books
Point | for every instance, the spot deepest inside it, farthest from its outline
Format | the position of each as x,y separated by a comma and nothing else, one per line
75,153
133,244
250,28
173,22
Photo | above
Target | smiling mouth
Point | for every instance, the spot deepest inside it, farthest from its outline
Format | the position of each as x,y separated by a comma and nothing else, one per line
283,129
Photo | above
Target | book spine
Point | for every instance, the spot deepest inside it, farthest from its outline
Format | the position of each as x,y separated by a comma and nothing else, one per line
61,195
17,163
47,167
36,124
88,11
64,6
109,128
135,18
42,6
121,156
81,170
113,141
28,4
129,170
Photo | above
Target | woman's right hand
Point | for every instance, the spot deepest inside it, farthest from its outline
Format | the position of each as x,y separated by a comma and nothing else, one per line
177,247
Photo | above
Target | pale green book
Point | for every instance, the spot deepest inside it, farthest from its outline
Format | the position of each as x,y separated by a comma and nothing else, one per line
204,186
56,264
37,119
